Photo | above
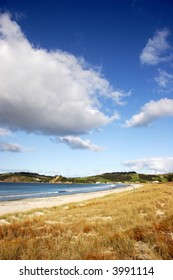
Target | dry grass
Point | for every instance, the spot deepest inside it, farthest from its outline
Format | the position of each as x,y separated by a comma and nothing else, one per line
126,225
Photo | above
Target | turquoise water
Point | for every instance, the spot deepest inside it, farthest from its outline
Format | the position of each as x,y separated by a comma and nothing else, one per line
16,191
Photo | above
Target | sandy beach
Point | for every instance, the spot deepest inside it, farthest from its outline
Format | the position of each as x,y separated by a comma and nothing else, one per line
7,207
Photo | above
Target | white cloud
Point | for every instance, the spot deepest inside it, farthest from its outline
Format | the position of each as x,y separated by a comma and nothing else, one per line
48,92
118,96
164,81
150,112
4,131
157,49
77,143
10,147
154,165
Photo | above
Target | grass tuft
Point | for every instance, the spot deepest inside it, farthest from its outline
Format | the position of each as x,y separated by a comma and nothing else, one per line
124,226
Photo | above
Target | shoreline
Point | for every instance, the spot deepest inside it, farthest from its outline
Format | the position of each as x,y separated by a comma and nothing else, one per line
17,206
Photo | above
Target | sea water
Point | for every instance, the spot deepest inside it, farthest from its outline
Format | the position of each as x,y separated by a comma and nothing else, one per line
16,191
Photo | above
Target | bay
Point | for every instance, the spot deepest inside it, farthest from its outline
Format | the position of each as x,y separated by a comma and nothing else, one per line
17,191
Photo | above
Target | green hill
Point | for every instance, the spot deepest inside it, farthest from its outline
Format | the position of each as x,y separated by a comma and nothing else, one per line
24,177
129,177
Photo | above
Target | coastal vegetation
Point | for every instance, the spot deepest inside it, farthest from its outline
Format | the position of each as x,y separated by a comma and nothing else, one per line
135,225
24,177
129,177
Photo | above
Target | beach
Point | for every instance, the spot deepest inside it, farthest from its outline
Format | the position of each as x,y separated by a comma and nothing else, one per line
8,207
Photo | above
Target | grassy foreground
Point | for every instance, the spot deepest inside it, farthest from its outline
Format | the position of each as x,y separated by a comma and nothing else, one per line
125,225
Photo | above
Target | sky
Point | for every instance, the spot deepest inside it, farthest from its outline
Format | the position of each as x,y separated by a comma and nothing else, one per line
86,87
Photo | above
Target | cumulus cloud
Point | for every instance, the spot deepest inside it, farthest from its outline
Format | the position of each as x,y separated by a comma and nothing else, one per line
77,143
10,147
4,131
48,92
154,165
164,81
157,49
150,112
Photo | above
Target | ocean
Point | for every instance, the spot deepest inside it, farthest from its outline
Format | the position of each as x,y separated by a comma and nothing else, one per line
17,191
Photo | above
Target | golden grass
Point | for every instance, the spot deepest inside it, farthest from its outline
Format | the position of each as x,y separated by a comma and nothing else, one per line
125,225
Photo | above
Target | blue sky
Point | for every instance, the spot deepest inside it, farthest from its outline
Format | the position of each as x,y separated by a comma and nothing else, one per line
86,87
